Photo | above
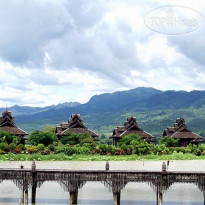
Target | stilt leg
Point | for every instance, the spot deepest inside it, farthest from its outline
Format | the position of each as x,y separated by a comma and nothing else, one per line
116,197
160,199
74,197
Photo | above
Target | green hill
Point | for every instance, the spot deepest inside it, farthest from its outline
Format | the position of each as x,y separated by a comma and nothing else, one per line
154,110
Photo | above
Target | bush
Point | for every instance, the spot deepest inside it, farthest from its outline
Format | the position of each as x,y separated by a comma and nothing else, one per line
88,142
8,137
51,147
40,147
12,147
102,148
81,150
32,149
41,137
130,139
17,149
21,146
3,146
169,141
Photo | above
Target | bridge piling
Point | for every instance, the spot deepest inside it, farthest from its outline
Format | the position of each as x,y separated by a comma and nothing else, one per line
204,197
34,183
73,197
160,198
26,196
116,197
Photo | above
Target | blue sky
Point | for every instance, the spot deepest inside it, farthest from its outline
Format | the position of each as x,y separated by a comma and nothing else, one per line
62,50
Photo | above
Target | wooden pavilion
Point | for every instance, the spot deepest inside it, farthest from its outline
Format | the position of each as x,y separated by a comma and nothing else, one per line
180,131
131,126
7,123
75,125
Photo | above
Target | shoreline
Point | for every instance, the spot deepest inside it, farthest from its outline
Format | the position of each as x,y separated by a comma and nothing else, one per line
63,157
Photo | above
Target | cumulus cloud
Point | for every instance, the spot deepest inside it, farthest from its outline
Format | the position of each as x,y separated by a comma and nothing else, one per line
57,51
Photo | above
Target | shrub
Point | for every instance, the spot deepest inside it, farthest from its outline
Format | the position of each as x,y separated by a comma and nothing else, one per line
32,149
21,146
123,147
130,139
110,149
51,147
12,147
103,148
41,137
81,150
3,146
40,147
17,149
8,137
168,141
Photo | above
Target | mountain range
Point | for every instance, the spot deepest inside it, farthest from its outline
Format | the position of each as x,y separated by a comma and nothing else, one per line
154,110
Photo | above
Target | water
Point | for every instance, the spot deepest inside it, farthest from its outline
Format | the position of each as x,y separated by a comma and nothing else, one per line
94,193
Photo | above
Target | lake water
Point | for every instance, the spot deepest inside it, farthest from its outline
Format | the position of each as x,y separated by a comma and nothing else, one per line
94,193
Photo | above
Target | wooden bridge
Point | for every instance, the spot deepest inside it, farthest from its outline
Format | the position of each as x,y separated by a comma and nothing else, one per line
115,180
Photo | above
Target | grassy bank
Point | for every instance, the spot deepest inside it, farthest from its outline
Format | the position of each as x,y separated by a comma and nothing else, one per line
63,157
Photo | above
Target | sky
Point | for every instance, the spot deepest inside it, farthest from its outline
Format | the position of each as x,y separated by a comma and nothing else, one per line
65,51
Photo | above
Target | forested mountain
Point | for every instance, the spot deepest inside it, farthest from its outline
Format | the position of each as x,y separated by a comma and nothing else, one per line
154,110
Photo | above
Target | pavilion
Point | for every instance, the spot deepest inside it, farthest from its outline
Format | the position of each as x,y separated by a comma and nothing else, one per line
7,123
131,126
75,125
180,131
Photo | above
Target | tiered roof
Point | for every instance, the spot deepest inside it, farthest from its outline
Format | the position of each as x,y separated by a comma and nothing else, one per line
7,123
75,125
131,126
180,130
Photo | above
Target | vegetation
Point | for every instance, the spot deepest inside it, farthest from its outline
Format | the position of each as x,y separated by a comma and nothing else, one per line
44,145
8,137
168,141
42,137
83,157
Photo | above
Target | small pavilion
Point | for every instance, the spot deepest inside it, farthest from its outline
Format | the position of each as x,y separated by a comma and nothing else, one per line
75,125
180,131
7,123
131,126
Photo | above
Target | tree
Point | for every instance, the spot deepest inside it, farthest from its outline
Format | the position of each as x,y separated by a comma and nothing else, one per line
168,141
130,139
41,137
8,137
73,139
49,128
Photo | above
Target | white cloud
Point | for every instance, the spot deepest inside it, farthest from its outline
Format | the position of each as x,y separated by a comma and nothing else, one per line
57,51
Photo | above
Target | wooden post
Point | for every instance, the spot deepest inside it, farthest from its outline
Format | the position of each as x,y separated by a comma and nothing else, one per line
157,195
26,196
160,198
204,197
116,197
22,198
73,197
34,182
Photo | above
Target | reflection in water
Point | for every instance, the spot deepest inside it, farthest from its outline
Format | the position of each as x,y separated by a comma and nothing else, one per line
95,193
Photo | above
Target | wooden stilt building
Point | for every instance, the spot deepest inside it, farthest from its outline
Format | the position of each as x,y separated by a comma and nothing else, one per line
131,126
7,123
180,131
75,125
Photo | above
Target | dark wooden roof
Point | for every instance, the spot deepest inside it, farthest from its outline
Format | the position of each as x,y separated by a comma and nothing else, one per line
75,125
131,126
180,130
7,123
